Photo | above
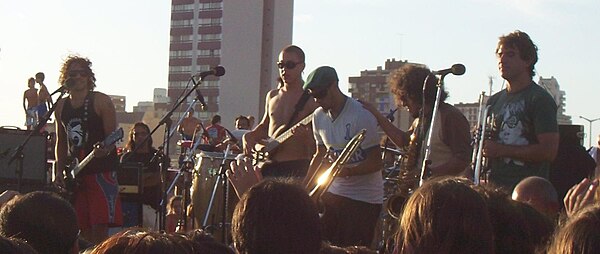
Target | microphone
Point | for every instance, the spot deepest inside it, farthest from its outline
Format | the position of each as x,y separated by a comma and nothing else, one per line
217,71
200,97
69,83
456,69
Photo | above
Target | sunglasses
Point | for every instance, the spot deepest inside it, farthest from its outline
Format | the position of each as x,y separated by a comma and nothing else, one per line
320,94
287,65
74,73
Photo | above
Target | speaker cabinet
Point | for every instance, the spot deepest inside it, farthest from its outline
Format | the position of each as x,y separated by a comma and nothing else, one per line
34,157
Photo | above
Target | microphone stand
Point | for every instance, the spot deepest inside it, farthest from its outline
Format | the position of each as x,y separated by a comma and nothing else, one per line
18,154
427,148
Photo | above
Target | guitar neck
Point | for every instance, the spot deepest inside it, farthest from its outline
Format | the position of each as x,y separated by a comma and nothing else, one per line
83,163
287,134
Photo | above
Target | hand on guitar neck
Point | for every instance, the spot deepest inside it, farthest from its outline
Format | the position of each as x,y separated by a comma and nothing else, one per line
263,148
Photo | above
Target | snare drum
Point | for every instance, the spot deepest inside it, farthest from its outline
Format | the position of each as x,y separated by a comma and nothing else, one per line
205,178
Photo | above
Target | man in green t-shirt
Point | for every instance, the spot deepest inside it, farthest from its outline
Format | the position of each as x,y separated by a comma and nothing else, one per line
525,139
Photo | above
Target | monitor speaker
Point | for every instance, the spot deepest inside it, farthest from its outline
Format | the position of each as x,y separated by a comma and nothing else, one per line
34,157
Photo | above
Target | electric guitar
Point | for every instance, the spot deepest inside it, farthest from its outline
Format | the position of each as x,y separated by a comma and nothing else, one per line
263,152
76,166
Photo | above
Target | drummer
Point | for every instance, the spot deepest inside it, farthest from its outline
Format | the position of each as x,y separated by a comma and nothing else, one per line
189,130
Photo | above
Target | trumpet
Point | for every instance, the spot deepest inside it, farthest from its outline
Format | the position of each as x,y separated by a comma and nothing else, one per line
324,180
483,130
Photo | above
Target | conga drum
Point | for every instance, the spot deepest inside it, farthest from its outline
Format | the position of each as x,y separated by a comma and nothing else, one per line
209,181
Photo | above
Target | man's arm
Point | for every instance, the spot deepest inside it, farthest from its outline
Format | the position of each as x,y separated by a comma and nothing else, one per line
24,99
315,163
106,111
60,150
249,139
399,137
544,150
47,99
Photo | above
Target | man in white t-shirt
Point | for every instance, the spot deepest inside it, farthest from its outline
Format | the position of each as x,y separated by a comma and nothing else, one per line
353,201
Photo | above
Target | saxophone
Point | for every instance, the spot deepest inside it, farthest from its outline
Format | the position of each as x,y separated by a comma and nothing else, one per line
409,175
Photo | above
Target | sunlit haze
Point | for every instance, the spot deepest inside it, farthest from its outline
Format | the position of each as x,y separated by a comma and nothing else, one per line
128,43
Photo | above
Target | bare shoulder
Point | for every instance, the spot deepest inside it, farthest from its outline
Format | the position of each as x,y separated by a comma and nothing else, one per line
103,102
273,93
102,97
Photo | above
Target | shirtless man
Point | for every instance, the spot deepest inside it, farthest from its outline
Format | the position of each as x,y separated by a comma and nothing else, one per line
30,96
292,157
45,101
189,126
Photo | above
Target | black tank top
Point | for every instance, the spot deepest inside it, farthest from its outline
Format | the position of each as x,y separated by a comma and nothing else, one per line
84,128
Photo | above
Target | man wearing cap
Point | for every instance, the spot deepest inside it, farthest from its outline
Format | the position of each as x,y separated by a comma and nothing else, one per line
292,157
357,191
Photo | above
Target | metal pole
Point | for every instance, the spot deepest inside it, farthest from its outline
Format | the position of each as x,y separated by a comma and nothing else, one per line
590,121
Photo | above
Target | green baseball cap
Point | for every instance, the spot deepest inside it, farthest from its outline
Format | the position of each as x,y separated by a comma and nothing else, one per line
320,78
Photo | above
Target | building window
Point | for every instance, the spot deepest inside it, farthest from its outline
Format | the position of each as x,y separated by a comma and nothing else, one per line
181,23
181,38
211,6
180,54
210,37
210,22
209,52
182,7
180,69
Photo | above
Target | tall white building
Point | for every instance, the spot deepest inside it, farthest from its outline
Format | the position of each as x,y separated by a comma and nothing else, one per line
244,36
551,85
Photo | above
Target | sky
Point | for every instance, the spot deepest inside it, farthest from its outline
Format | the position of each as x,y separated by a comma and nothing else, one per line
128,43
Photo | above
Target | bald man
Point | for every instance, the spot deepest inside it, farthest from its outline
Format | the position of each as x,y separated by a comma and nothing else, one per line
538,193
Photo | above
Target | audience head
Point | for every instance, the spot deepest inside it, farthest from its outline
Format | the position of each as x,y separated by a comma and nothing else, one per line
276,216
579,234
142,241
445,215
45,220
15,246
175,205
539,193
242,123
518,227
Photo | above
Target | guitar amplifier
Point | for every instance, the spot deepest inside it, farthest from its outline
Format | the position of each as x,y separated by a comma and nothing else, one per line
129,176
35,167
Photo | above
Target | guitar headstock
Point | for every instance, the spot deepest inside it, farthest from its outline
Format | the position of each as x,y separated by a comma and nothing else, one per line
113,137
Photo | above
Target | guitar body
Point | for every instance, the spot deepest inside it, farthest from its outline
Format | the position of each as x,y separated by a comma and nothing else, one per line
76,166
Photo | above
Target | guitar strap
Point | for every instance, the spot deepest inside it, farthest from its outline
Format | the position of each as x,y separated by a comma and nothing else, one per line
299,106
